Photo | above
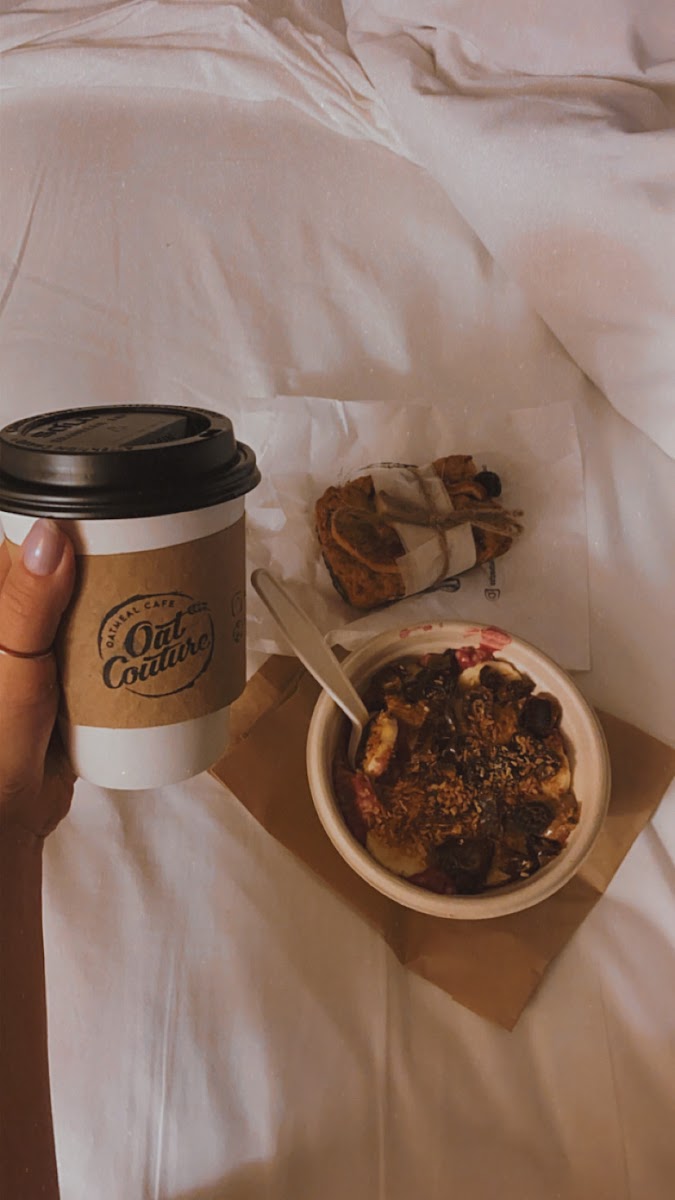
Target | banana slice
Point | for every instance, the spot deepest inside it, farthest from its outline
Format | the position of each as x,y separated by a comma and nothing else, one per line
556,785
380,744
561,782
396,859
470,676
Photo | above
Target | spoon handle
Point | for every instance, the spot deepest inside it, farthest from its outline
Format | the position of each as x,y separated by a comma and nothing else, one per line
309,645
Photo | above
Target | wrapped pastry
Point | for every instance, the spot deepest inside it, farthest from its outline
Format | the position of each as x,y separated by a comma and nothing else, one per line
402,529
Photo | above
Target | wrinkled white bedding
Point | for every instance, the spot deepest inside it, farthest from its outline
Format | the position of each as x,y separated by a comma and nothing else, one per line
208,202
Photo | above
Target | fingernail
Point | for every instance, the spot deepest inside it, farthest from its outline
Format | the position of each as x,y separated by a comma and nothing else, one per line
43,548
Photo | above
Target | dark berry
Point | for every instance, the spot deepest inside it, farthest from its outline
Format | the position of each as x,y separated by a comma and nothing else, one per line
491,482
539,716
466,861
533,817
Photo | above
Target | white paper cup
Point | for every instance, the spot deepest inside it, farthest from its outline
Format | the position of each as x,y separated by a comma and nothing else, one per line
151,650
586,747
146,756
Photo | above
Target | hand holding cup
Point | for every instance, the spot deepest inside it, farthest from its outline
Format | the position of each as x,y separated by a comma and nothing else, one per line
35,780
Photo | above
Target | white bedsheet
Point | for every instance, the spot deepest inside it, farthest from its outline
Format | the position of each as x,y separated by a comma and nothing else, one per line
204,202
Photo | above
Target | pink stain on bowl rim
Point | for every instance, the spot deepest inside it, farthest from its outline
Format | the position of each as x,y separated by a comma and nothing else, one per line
490,636
404,633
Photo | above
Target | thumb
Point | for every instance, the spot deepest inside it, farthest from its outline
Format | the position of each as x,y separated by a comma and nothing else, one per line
33,595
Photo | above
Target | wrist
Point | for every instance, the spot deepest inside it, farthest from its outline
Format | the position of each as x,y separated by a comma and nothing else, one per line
18,843
27,1157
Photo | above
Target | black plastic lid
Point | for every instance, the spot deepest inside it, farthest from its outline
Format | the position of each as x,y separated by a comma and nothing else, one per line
136,460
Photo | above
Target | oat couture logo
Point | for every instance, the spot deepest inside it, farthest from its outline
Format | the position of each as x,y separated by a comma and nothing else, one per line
156,645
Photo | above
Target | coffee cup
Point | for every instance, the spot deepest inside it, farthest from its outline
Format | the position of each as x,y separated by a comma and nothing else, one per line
152,649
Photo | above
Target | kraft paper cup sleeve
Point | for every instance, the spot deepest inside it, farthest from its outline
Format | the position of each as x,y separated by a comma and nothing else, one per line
181,608
492,967
112,591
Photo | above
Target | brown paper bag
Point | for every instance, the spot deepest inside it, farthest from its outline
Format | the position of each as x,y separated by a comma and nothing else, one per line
492,967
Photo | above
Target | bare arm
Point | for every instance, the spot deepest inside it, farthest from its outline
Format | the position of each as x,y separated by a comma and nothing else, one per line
33,595
27,1158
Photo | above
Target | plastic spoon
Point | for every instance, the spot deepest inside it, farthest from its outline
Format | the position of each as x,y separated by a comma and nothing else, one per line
308,643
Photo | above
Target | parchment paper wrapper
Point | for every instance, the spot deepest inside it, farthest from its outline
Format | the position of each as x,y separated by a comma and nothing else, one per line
492,967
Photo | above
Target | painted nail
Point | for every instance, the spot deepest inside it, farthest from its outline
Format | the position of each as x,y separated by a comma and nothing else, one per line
43,548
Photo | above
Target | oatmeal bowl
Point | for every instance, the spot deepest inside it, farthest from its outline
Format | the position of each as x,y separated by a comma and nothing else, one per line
482,779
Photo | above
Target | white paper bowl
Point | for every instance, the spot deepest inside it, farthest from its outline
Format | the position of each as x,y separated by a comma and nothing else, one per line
585,744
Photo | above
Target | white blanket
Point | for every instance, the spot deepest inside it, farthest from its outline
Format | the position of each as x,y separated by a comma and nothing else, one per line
550,127
209,202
